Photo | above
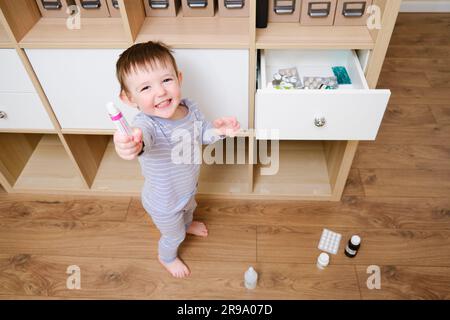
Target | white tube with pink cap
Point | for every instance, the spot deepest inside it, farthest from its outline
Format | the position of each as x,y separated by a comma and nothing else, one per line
119,120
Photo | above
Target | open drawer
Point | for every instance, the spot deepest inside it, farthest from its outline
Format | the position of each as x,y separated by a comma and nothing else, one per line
350,112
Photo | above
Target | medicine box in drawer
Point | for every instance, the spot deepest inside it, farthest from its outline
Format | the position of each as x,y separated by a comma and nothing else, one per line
233,8
352,13
198,8
349,112
284,10
161,8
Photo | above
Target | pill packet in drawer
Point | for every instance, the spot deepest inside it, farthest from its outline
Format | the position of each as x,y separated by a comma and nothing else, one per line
287,78
320,82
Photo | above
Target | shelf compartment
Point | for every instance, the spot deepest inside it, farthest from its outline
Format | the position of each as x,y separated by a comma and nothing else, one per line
94,33
117,175
37,162
31,30
302,170
295,35
193,32
226,178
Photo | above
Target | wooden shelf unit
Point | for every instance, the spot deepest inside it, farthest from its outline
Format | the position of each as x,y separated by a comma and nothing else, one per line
84,161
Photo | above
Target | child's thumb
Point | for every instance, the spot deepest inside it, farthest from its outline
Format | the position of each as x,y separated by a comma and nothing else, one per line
137,134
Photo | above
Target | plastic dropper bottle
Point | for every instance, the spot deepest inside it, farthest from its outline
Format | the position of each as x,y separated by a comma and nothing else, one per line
118,119
250,278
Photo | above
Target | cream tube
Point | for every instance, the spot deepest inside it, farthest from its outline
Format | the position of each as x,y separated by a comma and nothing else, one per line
119,120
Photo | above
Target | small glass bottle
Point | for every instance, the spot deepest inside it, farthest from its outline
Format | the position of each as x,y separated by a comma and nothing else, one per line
352,247
250,278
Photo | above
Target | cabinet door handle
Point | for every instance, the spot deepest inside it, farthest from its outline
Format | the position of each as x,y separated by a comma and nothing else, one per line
115,4
320,122
51,5
158,4
234,4
197,3
90,4
284,6
354,12
3,115
315,12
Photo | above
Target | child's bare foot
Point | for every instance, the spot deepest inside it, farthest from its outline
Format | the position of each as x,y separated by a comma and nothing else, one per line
197,228
176,268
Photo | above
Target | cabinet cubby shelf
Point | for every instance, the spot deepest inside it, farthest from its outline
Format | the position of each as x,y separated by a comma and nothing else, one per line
196,32
93,33
36,162
294,35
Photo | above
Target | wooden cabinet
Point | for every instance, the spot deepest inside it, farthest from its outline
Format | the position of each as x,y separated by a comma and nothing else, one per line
227,65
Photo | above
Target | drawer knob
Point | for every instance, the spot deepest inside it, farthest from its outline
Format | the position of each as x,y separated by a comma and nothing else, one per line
320,122
3,115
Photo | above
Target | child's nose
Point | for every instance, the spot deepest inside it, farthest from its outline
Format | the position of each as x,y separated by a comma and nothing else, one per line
160,90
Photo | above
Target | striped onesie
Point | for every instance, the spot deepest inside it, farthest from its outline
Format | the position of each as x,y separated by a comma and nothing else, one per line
170,165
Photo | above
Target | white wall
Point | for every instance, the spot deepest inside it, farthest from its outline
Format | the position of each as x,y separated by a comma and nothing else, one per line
425,6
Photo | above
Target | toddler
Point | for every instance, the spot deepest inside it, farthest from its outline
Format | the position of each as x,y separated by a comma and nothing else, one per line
150,81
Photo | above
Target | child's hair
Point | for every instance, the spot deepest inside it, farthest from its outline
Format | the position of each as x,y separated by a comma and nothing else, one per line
143,55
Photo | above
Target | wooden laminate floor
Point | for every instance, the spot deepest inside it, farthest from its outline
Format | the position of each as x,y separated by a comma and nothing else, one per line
397,198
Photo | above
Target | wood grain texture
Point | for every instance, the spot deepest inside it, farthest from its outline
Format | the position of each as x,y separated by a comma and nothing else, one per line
404,282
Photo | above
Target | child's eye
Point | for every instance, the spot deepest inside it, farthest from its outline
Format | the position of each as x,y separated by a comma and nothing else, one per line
145,88
167,80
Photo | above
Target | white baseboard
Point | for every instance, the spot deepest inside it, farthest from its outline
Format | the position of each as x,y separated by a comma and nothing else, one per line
425,6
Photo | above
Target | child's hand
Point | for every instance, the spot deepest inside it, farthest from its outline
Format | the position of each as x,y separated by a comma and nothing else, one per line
128,147
227,126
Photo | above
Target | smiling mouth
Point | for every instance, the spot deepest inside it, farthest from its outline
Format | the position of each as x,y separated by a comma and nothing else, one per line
164,104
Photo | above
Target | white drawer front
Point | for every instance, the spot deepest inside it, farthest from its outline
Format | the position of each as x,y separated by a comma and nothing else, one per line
79,83
348,114
23,111
13,76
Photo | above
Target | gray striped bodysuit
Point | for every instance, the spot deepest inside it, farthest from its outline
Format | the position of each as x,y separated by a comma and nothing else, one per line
171,169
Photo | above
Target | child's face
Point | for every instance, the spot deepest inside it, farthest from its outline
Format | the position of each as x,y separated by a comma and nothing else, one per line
157,91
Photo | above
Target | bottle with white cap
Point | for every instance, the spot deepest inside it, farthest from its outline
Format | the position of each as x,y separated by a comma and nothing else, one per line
323,260
353,245
250,278
118,119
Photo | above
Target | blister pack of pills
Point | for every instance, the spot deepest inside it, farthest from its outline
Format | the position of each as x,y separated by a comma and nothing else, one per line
320,82
287,79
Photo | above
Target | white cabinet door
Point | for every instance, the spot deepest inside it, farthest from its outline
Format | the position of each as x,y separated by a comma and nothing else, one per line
13,77
23,111
79,83
20,105
217,80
